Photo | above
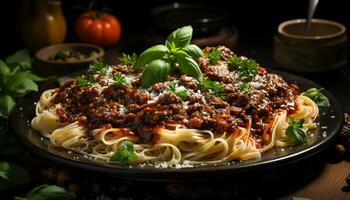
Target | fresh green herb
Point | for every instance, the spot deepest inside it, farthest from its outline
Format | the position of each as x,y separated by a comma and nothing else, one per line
214,57
317,96
247,68
244,86
103,197
180,93
12,175
128,59
234,62
16,80
82,82
177,53
296,132
48,192
98,67
124,155
119,80
213,87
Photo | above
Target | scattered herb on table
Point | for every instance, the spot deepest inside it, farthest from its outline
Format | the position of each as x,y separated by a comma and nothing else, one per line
296,132
128,59
317,96
12,175
177,53
124,155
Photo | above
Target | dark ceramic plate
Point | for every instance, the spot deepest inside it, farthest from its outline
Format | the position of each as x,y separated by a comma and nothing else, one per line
330,123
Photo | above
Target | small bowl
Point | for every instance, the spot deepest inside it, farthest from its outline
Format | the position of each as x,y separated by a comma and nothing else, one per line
44,66
323,49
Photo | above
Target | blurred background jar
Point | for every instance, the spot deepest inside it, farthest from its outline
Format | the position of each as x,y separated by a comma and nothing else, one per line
41,23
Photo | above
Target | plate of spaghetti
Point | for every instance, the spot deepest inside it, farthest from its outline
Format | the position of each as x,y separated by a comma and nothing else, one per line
177,109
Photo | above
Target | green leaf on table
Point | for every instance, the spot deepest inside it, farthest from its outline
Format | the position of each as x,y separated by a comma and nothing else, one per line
20,58
155,72
5,73
317,96
20,84
103,197
187,65
3,130
12,175
296,132
128,59
6,105
48,192
150,54
124,155
180,37
193,50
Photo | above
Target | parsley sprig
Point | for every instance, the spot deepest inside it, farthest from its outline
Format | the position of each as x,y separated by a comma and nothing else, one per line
126,154
82,82
245,87
177,53
317,96
128,59
296,132
214,57
98,67
180,93
119,80
247,68
213,87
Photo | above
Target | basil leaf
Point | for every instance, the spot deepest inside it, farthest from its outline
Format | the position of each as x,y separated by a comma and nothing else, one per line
49,192
103,197
155,72
296,132
181,37
19,58
300,198
6,105
12,175
150,54
193,50
126,154
317,96
5,73
3,131
187,65
19,84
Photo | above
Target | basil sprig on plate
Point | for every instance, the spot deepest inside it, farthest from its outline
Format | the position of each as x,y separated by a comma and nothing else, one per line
125,154
296,132
317,96
177,53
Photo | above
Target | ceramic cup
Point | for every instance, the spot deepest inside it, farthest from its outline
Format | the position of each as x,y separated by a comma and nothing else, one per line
323,49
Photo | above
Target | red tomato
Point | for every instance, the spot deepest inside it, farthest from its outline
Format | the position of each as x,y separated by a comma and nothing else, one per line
98,28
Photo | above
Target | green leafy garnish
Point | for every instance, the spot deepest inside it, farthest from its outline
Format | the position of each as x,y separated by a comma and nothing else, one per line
98,67
124,155
12,175
234,62
128,59
244,86
296,132
48,192
180,93
16,80
214,57
317,96
119,80
82,82
213,87
247,68
177,53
